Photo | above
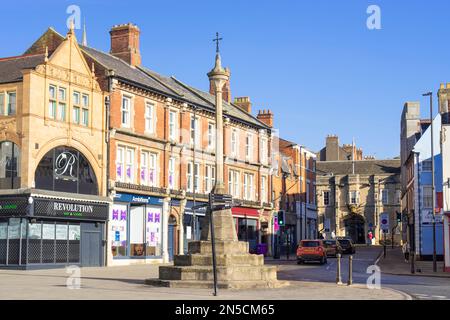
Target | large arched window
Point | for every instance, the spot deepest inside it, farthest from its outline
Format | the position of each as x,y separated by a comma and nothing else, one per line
66,169
9,165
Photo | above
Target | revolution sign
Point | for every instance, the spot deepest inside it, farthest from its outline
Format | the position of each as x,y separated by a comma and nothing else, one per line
67,209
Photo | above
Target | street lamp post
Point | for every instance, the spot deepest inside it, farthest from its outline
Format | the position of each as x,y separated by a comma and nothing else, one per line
430,94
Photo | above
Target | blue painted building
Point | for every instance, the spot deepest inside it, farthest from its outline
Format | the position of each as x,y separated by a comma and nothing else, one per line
423,192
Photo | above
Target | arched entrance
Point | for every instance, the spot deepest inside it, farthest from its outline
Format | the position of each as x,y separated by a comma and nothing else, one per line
67,170
172,237
355,228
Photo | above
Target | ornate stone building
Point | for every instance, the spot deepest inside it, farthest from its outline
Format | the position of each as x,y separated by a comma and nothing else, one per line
53,208
351,198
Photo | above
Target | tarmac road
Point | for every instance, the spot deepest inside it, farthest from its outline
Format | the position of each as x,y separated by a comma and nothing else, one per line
419,287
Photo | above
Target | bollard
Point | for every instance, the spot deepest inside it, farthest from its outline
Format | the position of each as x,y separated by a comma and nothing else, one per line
412,256
350,271
338,272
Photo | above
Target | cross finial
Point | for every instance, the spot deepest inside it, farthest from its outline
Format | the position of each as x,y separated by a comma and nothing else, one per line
216,40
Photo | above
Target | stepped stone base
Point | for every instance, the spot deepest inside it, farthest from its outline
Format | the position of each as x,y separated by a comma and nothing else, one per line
236,268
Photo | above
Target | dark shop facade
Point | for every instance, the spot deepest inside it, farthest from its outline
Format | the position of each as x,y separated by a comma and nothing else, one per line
60,222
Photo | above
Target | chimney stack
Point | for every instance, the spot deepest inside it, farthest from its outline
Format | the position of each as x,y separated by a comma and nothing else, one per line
243,103
226,91
125,43
266,116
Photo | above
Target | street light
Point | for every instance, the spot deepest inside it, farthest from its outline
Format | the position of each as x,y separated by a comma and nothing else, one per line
430,94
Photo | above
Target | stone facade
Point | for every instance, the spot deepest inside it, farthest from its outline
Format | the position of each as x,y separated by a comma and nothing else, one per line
350,204
36,131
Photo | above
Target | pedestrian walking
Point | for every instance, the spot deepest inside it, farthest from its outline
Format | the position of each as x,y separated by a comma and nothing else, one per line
370,237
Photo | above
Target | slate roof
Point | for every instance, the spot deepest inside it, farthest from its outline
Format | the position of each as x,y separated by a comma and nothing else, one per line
369,167
11,68
167,85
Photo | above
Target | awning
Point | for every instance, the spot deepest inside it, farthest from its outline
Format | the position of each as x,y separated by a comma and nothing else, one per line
245,211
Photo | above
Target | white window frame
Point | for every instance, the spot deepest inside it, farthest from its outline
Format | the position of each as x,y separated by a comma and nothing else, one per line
172,174
153,169
263,155
234,142
263,189
210,177
149,117
173,125
9,105
129,163
193,174
211,135
427,197
85,110
248,186
356,197
120,161
52,101
195,130
249,147
144,166
125,109
76,108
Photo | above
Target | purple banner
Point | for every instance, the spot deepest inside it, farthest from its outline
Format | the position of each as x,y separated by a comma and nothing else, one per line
123,215
115,215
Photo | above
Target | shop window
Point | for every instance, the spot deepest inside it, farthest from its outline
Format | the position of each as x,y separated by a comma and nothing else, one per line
143,224
137,231
67,170
9,165
119,230
247,231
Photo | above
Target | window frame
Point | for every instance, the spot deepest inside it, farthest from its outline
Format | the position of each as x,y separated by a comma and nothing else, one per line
149,118
125,111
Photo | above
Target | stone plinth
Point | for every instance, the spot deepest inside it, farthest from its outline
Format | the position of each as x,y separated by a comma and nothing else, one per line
236,268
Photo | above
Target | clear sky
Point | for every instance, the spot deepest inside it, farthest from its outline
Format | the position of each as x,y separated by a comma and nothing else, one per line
314,63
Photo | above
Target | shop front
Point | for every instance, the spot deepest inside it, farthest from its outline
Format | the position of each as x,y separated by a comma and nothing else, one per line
311,222
288,235
37,231
136,229
246,221
193,219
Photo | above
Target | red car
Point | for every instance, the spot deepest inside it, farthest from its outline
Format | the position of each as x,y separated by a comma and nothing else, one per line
311,250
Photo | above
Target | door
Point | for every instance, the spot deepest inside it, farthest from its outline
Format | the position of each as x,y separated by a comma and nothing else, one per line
171,245
91,245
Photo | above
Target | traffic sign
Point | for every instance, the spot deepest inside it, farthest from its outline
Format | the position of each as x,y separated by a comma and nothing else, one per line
384,222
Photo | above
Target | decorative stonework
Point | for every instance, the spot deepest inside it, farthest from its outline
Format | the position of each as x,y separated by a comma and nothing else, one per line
67,75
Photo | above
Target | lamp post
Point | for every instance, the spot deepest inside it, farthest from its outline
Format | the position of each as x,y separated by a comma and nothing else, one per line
430,94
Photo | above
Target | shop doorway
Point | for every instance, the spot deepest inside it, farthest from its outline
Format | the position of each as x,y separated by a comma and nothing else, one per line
91,245
171,247
355,228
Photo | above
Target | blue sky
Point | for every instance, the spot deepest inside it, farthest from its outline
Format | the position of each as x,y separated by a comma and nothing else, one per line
313,63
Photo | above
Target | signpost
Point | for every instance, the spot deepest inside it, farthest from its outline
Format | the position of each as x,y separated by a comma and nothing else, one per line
384,225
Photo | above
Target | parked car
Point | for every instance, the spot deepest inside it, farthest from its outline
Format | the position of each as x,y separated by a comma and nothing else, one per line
332,247
311,250
347,245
